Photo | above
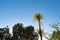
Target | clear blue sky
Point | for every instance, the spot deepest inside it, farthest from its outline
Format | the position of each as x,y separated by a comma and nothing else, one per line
22,11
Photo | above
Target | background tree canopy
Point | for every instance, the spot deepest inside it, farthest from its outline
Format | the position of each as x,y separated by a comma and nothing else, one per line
56,33
24,33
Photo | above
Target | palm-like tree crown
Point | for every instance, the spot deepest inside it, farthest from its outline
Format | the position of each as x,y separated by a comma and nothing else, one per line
37,16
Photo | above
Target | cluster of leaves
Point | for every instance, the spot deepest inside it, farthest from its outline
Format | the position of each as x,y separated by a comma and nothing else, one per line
56,33
4,33
20,32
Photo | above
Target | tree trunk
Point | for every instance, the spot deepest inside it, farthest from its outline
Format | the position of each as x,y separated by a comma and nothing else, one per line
40,30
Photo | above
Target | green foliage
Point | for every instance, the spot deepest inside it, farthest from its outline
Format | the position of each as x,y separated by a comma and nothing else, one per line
56,34
29,31
1,36
17,31
20,32
56,26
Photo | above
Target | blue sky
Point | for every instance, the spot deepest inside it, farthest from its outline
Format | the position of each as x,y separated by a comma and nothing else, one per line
22,11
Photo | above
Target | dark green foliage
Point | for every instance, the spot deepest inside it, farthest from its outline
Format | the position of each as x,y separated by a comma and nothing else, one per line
20,32
1,36
17,31
29,31
55,35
